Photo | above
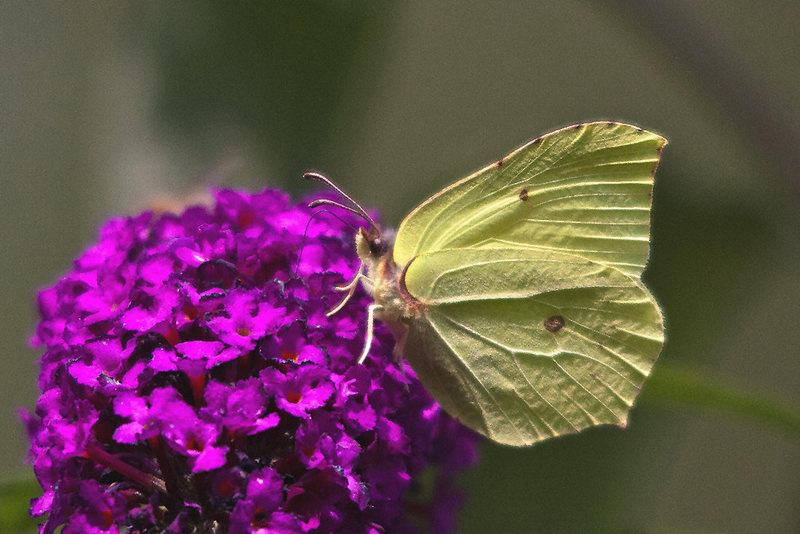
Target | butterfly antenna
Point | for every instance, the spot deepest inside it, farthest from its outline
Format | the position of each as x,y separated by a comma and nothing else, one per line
305,234
357,209
326,202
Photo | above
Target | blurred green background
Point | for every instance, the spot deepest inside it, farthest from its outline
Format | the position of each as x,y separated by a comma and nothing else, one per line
106,106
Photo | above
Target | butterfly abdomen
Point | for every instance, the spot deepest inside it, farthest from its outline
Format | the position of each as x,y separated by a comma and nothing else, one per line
391,293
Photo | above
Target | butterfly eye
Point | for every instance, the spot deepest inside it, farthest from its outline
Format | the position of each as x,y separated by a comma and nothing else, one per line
377,246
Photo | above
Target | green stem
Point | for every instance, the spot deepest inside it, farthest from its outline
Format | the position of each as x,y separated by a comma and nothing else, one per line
674,385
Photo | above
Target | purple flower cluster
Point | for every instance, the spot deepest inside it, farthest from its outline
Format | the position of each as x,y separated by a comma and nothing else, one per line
193,383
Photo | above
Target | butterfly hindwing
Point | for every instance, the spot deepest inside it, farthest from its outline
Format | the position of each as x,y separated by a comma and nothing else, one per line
583,190
527,344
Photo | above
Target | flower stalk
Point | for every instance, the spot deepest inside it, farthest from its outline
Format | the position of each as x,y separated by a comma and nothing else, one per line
109,460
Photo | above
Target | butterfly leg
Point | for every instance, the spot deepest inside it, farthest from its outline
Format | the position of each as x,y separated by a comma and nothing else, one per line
350,287
354,282
370,324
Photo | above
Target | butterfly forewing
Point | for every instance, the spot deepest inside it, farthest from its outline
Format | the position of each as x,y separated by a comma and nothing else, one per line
526,344
583,190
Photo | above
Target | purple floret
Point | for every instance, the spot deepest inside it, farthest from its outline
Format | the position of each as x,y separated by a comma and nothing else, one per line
192,382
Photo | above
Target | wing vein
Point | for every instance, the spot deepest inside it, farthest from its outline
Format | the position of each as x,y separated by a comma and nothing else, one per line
477,380
511,352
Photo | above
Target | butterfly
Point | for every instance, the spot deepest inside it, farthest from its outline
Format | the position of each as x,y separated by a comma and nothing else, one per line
515,293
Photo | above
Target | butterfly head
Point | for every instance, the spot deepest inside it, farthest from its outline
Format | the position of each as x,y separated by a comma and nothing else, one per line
373,243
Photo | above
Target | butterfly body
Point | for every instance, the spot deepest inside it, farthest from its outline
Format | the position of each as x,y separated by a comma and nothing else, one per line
515,293
394,305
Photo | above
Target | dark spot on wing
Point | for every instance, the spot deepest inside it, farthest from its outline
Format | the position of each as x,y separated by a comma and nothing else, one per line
554,324
523,195
640,130
536,140
577,126
499,162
